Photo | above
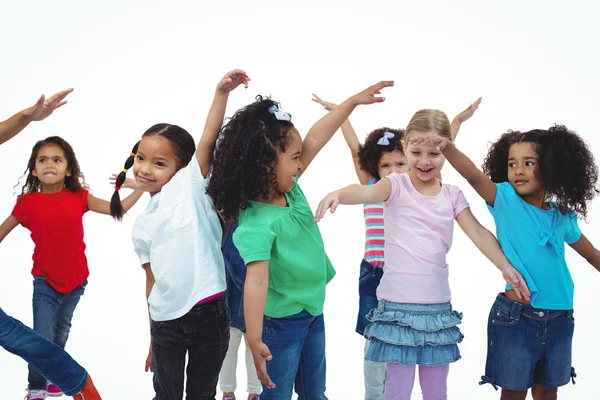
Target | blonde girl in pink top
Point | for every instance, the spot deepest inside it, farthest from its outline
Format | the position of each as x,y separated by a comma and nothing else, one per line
414,323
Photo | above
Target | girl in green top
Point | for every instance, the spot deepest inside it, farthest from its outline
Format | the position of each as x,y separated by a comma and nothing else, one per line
255,171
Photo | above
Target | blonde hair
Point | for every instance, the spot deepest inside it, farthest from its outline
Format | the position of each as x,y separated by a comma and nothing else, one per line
429,120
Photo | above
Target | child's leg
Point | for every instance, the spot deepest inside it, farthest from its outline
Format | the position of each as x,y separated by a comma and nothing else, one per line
45,357
284,337
433,382
45,302
169,347
207,332
227,377
399,381
254,385
374,373
310,379
64,315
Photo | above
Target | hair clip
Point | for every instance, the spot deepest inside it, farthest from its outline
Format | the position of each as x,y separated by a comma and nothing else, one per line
384,141
132,154
280,115
125,170
117,188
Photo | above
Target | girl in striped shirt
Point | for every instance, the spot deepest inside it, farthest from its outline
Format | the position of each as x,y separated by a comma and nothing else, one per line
380,156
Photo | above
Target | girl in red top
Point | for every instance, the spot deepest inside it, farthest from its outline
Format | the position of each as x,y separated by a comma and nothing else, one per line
51,205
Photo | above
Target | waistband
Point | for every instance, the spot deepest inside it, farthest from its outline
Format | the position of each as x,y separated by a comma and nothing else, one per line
515,310
410,308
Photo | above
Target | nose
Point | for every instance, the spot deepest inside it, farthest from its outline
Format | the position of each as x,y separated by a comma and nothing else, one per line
300,166
519,170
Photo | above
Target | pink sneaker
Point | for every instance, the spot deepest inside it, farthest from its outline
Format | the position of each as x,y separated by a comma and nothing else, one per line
36,395
53,390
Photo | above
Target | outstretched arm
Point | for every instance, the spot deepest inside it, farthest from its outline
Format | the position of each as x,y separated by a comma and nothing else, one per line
351,140
462,117
7,226
103,207
476,178
486,243
587,250
214,120
39,111
323,130
354,194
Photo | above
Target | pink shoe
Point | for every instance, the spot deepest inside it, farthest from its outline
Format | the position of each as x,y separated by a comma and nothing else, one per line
36,395
53,390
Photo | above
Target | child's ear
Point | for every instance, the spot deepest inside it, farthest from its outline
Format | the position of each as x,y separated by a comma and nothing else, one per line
69,172
403,144
34,173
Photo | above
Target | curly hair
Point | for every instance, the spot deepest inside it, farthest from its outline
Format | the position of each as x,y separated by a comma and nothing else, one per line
370,152
183,146
75,182
245,157
567,169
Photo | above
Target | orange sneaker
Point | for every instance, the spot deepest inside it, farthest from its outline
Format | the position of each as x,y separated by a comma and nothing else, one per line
88,392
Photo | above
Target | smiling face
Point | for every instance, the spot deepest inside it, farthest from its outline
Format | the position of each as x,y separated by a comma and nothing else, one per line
155,163
392,162
288,163
51,167
523,161
425,163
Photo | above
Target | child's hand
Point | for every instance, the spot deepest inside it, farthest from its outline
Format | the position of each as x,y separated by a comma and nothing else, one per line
367,96
232,80
43,108
129,183
514,279
149,361
326,105
330,202
436,142
261,355
469,111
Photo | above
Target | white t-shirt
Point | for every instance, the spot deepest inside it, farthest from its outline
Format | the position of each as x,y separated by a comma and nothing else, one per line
180,235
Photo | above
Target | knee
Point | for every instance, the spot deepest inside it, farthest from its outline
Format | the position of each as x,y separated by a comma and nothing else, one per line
513,395
544,393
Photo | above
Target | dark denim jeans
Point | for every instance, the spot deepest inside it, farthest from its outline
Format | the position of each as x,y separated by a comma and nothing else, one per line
203,335
47,358
368,281
52,315
235,270
528,345
297,344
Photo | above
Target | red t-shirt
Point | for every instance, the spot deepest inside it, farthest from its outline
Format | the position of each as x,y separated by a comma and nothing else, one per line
56,224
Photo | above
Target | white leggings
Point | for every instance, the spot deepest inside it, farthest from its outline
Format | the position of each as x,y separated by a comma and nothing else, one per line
227,378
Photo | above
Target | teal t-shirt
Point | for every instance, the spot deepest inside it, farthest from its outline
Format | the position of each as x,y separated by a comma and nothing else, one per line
533,240
291,241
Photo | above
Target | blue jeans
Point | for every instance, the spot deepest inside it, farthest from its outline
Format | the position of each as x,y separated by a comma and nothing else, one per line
528,346
297,344
47,358
374,372
52,314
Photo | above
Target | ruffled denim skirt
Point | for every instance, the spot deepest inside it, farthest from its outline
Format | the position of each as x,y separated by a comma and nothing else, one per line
413,334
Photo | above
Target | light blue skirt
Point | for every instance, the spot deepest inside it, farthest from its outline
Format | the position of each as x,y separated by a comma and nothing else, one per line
413,334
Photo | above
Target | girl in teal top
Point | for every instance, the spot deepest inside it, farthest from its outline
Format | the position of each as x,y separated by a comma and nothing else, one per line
255,171
535,184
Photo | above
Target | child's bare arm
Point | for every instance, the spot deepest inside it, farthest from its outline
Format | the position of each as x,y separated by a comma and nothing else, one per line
462,117
587,250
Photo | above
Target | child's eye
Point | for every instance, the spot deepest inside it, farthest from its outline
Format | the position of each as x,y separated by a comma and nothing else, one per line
511,165
139,157
401,164
160,164
435,154
385,165
57,160
415,153
529,164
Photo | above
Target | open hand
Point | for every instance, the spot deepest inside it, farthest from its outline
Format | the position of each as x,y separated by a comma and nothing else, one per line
43,108
330,202
367,96
469,111
233,79
436,142
129,183
514,279
326,105
261,355
149,361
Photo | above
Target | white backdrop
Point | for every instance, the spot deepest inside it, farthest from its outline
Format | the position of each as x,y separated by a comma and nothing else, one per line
134,64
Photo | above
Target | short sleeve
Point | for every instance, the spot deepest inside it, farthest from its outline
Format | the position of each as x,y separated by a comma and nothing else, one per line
396,180
141,242
20,211
573,233
504,194
253,243
194,174
459,202
84,199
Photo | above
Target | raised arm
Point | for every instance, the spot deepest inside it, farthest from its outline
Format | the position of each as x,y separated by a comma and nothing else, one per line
462,117
354,194
476,178
486,243
323,130
351,140
214,120
255,297
587,250
39,111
